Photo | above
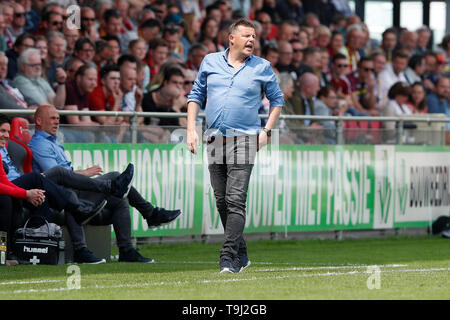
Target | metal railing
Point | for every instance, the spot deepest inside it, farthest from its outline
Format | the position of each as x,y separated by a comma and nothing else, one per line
399,121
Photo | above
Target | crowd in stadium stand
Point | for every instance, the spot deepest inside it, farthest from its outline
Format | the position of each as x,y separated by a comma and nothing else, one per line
144,55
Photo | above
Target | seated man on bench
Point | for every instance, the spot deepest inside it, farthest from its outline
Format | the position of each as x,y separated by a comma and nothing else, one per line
48,153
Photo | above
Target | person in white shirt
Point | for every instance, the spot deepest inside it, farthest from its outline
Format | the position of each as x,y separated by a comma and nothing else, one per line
396,105
392,73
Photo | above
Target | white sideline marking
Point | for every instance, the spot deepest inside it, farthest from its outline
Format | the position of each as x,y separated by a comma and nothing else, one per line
330,267
164,283
28,282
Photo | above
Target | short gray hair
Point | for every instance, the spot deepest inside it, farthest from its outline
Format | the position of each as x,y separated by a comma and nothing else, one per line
24,56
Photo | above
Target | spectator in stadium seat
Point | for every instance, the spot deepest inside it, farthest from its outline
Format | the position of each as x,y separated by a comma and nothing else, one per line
418,98
336,43
166,100
398,96
287,31
388,43
18,23
209,31
438,101
423,38
290,10
393,73
196,53
213,11
363,88
71,67
157,55
323,37
285,57
84,82
137,48
408,41
327,104
171,34
113,27
297,56
149,30
84,50
88,29
416,69
302,103
312,61
271,53
108,95
337,76
23,42
71,36
10,97
30,82
379,62
269,30
55,58
114,44
355,37
103,54
47,153
51,21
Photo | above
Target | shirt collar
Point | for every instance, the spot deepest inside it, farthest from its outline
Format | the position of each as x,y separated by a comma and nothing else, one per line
45,135
227,50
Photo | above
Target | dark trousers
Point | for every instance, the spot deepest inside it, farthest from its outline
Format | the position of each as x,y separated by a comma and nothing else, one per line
117,213
70,179
230,166
55,196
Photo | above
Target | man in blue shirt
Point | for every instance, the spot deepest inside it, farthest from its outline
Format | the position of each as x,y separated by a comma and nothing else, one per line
48,153
438,101
233,83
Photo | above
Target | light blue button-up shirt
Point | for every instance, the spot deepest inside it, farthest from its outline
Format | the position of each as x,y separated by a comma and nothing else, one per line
13,173
47,152
233,97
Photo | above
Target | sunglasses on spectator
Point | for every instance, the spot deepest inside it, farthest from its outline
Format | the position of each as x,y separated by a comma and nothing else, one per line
88,19
368,69
56,23
19,14
297,50
342,65
265,21
187,82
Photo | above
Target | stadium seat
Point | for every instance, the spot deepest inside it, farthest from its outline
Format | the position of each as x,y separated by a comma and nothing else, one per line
17,145
20,130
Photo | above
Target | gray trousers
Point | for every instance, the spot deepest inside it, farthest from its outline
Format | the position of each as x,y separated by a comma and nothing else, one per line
95,190
230,166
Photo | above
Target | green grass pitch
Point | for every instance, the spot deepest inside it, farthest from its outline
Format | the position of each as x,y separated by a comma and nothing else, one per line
398,267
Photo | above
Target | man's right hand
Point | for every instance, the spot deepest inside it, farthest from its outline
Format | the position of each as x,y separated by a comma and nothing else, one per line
192,141
35,196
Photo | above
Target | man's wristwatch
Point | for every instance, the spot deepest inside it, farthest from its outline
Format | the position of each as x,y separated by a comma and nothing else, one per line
267,131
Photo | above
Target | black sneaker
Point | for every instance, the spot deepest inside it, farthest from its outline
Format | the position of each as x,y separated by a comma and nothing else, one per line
227,266
120,187
161,216
244,262
87,210
132,255
86,256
